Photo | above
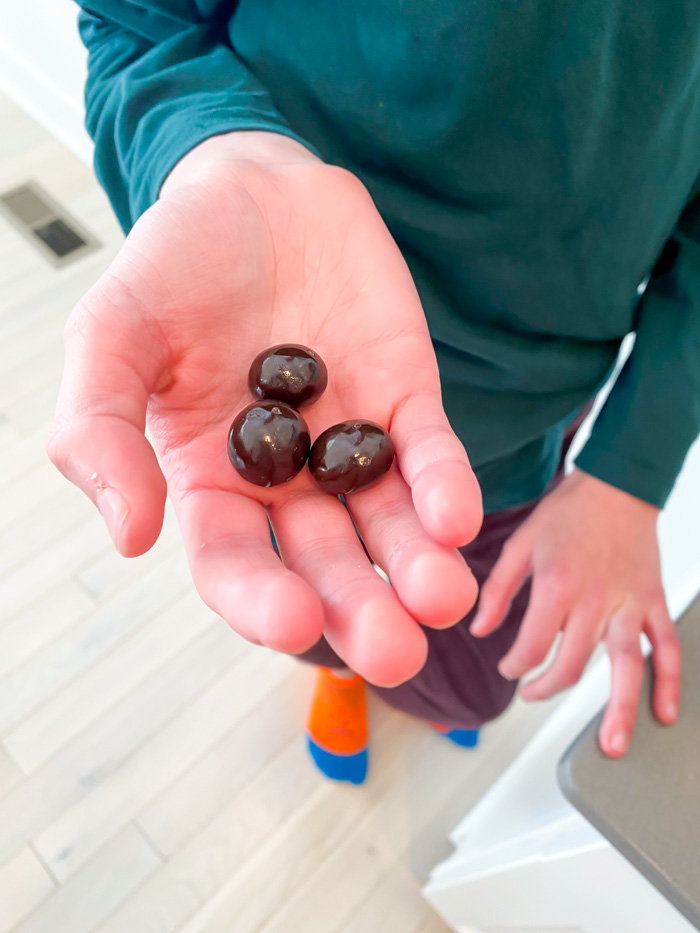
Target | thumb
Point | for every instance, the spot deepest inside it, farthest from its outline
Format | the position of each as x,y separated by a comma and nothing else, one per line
112,363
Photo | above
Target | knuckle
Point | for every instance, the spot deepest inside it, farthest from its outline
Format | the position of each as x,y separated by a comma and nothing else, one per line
628,649
665,635
491,591
532,655
58,448
595,602
559,586
80,322
656,599
322,555
626,710
631,656
668,643
510,550
385,516
668,663
629,665
571,674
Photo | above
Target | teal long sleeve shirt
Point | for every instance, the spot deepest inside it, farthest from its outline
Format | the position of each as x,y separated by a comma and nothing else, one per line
535,161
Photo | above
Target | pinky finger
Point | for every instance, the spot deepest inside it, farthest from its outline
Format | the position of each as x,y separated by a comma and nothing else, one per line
627,671
666,658
445,491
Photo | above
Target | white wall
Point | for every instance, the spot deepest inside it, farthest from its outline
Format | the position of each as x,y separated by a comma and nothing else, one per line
42,66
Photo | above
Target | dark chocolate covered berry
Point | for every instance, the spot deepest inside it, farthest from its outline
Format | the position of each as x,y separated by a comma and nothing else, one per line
350,456
288,373
268,443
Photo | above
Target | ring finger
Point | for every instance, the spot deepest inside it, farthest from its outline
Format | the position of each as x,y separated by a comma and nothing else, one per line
433,582
365,622
627,673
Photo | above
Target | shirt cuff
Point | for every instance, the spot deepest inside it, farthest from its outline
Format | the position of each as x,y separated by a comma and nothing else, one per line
179,135
638,479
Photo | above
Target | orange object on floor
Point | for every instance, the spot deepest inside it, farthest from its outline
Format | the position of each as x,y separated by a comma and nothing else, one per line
337,731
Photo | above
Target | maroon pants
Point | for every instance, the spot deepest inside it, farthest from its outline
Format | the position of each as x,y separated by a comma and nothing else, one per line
460,686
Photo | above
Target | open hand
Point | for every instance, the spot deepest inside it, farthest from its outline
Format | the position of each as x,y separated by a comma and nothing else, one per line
593,555
241,253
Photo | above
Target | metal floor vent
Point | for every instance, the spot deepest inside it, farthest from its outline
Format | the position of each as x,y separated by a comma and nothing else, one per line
46,224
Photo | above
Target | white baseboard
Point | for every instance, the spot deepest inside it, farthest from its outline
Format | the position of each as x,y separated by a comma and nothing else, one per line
684,591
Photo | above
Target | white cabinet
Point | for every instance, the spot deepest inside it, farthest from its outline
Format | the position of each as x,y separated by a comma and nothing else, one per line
525,861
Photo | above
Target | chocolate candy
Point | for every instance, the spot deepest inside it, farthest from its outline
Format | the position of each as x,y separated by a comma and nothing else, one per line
268,443
350,456
288,373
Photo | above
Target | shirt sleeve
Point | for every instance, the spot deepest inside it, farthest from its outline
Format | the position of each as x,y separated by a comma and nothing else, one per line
162,77
652,415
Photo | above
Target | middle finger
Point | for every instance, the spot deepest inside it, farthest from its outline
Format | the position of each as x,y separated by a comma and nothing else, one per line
546,612
365,622
582,632
433,582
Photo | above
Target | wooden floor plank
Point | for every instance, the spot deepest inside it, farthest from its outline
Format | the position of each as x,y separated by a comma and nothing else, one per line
381,835
25,492
433,923
40,623
255,865
118,870
204,791
47,567
93,756
394,905
33,683
29,412
22,455
10,774
29,534
24,883
105,682
108,572
81,830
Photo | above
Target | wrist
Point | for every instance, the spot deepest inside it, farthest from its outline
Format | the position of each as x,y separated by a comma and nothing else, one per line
257,146
611,493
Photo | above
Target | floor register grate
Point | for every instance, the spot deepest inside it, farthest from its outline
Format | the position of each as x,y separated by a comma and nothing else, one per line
47,225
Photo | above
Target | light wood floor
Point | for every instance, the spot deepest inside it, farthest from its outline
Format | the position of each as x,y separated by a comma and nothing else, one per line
153,777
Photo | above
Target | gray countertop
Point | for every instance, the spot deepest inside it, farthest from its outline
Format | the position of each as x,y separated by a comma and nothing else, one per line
648,803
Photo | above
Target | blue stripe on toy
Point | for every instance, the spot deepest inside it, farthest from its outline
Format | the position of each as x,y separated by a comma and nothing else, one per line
467,738
352,768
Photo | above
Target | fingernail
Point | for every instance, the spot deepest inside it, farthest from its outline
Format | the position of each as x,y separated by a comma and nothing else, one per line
619,742
477,622
671,710
506,672
114,510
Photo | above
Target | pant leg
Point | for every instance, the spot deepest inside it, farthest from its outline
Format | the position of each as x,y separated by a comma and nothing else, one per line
460,686
321,653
